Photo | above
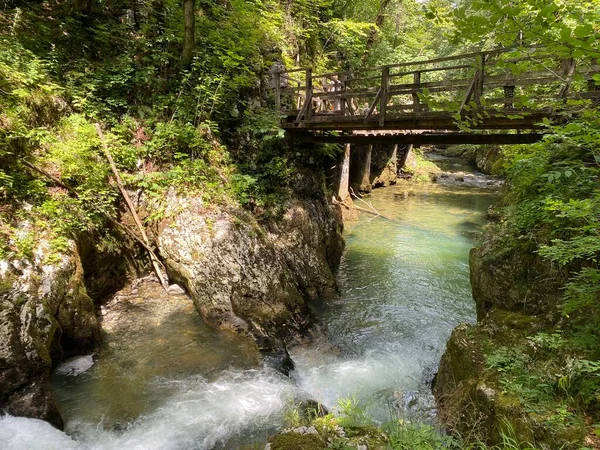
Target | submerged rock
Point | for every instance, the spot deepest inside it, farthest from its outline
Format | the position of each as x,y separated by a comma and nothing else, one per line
175,289
45,314
75,366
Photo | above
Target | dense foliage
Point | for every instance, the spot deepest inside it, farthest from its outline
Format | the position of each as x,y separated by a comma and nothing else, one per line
550,207
202,124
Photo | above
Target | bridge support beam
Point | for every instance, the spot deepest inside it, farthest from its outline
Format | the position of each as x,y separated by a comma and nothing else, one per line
360,173
344,174
408,158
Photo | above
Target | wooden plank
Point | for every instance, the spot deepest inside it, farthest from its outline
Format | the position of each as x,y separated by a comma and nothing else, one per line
349,73
432,84
348,93
292,70
424,138
433,90
374,78
585,95
511,78
286,77
292,90
429,121
434,69
393,108
523,82
506,100
583,70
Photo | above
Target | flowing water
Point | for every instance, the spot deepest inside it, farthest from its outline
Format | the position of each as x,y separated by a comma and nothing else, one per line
176,384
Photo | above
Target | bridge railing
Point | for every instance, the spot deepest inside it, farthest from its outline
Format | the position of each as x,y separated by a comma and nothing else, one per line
468,85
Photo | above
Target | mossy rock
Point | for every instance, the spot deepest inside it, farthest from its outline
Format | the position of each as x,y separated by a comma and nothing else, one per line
370,435
295,441
475,400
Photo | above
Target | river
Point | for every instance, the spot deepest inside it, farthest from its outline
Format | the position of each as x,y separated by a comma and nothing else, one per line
404,283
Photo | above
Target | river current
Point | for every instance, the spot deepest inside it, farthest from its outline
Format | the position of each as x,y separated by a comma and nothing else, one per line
404,283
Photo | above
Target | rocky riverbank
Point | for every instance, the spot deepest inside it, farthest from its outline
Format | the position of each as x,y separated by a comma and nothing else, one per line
45,315
482,386
250,278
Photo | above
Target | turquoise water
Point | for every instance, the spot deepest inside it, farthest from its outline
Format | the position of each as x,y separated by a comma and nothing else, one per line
404,284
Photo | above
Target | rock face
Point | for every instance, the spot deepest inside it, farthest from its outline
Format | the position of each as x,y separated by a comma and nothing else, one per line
45,314
485,157
249,278
516,294
513,279
482,157
384,165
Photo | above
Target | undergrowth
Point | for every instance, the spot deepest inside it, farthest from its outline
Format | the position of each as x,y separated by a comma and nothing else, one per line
349,426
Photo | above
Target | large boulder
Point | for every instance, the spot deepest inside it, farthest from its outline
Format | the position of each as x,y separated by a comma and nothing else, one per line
475,402
45,314
517,294
515,278
249,277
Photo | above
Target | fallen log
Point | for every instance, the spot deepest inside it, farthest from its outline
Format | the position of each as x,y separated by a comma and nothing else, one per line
131,207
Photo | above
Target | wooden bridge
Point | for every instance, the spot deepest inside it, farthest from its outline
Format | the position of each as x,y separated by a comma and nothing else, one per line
498,96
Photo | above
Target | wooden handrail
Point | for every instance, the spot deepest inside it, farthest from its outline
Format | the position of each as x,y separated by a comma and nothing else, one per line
337,97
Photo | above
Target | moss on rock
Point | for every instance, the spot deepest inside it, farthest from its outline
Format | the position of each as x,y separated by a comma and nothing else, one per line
295,441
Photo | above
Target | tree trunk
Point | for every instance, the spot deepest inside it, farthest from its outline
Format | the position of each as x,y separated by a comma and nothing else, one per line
189,21
156,18
373,33
136,15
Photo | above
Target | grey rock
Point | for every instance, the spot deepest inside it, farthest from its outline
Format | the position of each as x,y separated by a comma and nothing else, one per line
45,314
249,278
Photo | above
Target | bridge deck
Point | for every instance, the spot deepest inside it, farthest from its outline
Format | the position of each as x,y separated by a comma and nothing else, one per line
464,94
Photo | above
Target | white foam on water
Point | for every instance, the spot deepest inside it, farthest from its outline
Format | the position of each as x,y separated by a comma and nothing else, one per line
20,433
201,415
364,377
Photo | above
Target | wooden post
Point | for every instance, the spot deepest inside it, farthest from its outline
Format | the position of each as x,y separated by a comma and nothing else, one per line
343,100
509,93
343,188
415,94
298,97
394,159
365,182
131,207
407,159
309,93
277,91
593,86
479,79
385,85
